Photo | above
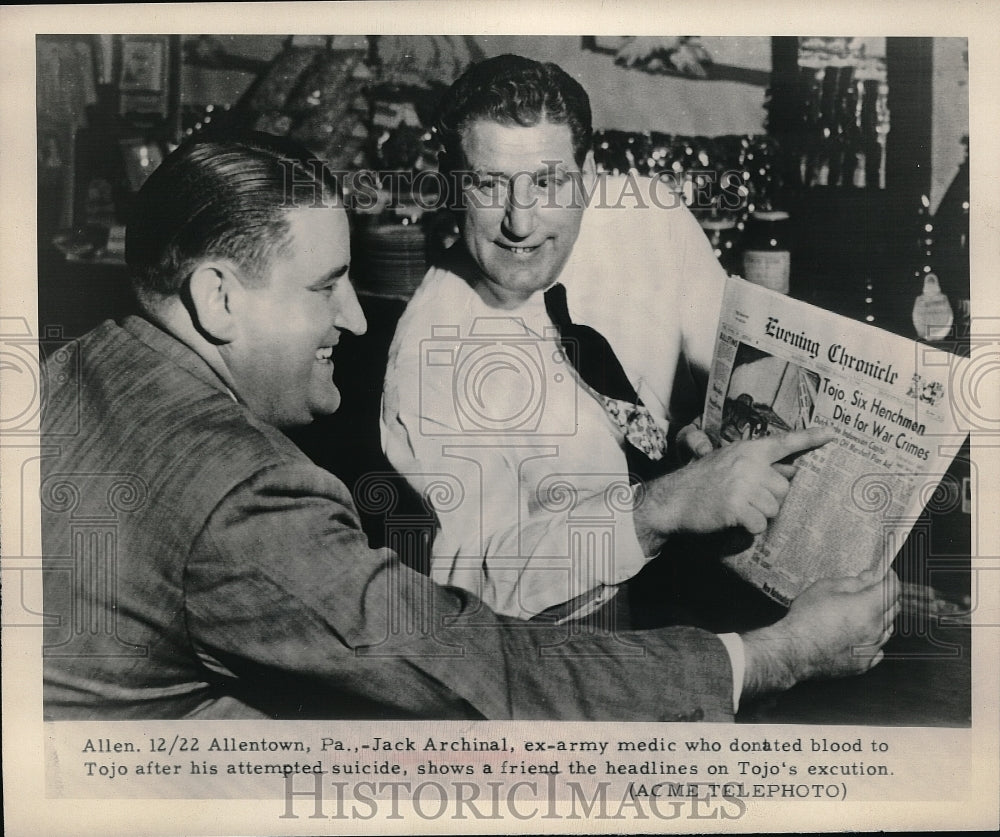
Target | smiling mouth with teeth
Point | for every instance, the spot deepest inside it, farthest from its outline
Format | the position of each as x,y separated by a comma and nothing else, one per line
519,251
324,354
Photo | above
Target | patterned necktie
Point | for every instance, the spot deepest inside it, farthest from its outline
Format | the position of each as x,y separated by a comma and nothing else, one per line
598,365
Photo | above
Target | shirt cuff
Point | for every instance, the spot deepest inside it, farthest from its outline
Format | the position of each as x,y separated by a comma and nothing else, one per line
738,663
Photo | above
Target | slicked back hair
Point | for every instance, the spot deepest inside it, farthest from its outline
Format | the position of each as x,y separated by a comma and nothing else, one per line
221,197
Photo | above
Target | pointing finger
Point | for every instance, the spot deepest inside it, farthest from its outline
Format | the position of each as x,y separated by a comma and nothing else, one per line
799,441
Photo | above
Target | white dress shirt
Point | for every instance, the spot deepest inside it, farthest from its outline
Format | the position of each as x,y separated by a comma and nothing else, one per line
524,468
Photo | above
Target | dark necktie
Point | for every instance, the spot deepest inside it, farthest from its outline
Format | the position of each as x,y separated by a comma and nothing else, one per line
598,365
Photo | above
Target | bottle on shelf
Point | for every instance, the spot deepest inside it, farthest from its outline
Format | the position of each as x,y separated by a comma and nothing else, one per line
767,256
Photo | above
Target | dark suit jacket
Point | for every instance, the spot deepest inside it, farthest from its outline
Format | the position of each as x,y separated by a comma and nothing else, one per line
198,565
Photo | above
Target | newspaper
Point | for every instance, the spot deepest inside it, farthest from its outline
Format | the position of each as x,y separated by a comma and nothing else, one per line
781,365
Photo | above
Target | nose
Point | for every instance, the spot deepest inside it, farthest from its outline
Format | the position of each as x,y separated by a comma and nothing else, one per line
519,217
348,315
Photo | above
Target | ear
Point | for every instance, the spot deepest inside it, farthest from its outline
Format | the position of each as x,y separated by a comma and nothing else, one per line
589,168
214,289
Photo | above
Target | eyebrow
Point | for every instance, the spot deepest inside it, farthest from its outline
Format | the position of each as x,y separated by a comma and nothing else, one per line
329,277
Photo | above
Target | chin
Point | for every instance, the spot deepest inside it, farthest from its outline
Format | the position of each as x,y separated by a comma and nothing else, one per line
326,407
525,284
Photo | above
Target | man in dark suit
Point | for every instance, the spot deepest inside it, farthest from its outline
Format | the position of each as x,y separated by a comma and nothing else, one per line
201,566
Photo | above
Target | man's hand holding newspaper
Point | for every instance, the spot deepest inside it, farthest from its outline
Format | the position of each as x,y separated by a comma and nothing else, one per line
835,628
866,414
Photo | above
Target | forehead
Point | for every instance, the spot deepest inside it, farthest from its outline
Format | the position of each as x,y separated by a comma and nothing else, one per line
318,241
492,146
322,229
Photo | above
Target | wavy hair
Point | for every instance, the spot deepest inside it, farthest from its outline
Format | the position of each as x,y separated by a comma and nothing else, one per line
513,90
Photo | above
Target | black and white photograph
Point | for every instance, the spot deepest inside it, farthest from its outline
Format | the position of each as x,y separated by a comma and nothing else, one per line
767,396
353,452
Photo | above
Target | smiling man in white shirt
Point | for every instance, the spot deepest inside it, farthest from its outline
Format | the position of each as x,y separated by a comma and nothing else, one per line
545,511
548,474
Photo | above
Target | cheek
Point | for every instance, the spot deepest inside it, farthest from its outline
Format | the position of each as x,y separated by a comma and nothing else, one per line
308,320
290,338
481,224
565,221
